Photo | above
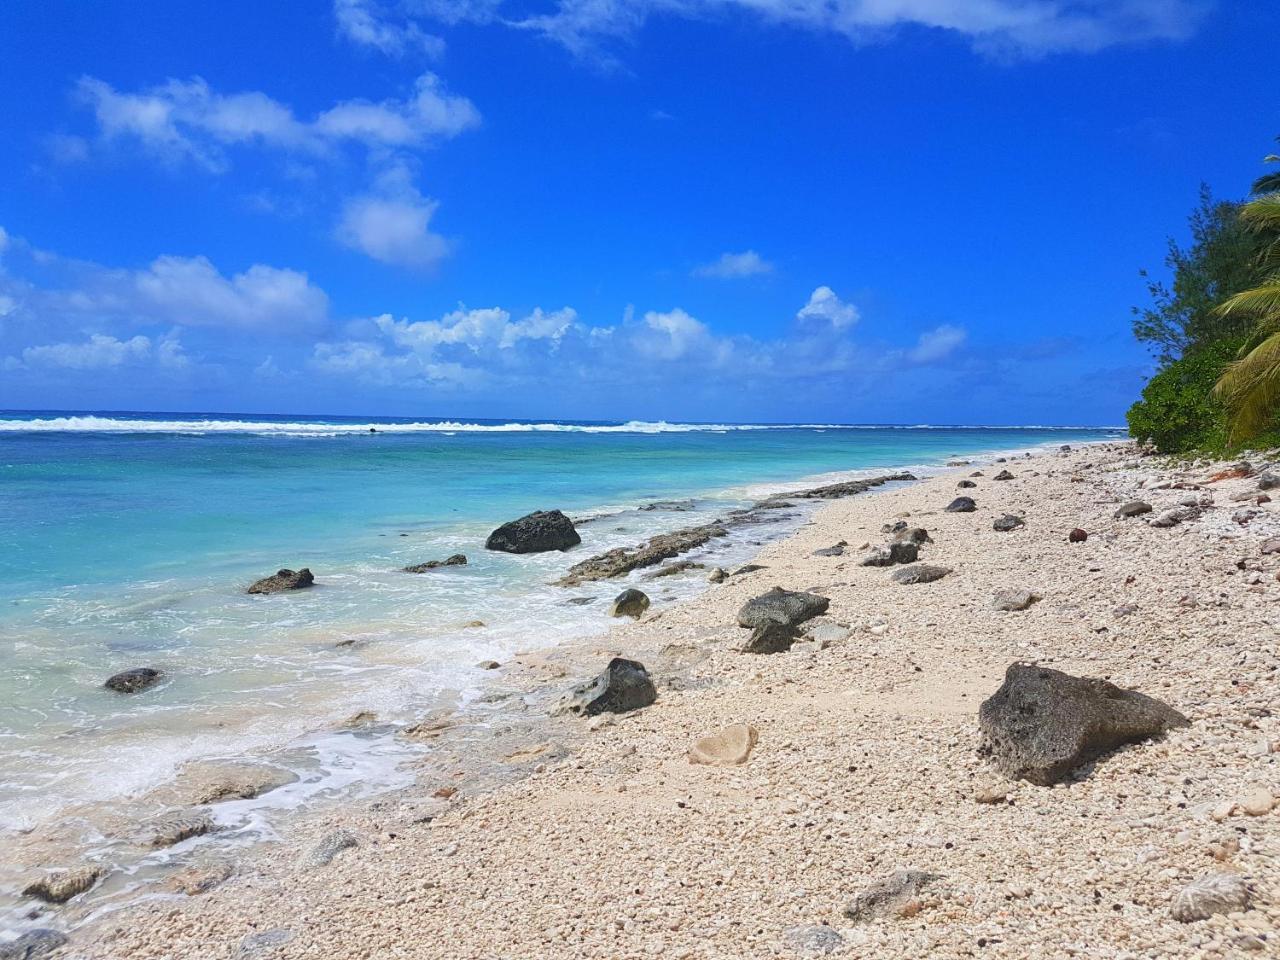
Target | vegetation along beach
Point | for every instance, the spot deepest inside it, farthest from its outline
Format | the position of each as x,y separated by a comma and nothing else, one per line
716,480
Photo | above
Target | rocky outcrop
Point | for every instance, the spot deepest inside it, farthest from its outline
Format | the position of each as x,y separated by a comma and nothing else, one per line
888,896
457,560
961,505
920,573
629,603
134,681
282,581
213,782
673,569
899,551
729,747
846,488
61,885
1008,522
624,685
789,608
622,560
1134,508
538,532
1042,724
1211,894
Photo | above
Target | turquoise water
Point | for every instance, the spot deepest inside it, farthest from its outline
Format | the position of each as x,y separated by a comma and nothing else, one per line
129,540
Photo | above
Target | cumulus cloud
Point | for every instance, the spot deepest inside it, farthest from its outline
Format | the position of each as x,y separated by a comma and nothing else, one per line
364,24
825,308
392,224
936,344
188,120
734,266
103,352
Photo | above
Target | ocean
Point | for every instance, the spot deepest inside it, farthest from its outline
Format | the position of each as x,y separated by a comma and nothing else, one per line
129,539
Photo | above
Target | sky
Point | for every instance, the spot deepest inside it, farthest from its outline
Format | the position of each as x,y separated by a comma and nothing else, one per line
857,211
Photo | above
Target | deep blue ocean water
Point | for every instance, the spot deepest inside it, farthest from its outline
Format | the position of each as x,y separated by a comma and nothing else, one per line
128,539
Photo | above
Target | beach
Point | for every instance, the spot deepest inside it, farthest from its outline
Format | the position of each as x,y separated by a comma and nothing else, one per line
562,836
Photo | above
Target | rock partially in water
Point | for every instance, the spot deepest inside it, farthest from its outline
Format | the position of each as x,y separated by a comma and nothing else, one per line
168,831
211,782
1211,894
329,846
845,488
283,580
61,885
888,896
537,532
457,560
729,747
672,569
624,685
962,505
629,603
1042,724
134,681
787,607
622,560
718,575
673,506
32,944
920,573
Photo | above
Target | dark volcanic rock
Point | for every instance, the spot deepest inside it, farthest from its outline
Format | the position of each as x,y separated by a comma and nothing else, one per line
537,532
1078,536
1008,522
283,580
1003,475
624,685
966,485
32,944
457,560
675,506
920,573
629,603
1268,481
916,535
900,551
672,569
787,607
1134,508
836,551
132,681
962,505
1042,724
846,488
653,551
770,637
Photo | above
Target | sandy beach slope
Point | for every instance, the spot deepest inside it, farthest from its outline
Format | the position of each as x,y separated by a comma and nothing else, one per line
614,845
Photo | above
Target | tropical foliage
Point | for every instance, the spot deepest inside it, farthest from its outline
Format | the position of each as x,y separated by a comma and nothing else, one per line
1215,329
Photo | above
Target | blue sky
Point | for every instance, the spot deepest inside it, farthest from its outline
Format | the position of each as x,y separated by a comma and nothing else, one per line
792,210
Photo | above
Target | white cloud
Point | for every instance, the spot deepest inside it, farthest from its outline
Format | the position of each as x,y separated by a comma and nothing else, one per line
188,120
936,344
733,266
103,352
363,24
826,308
392,224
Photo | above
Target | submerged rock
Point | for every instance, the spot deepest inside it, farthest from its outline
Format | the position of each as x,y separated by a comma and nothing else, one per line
962,505
629,603
920,573
173,830
282,581
1042,724
899,551
32,944
61,885
729,747
887,897
134,681
211,782
537,532
457,560
1008,522
622,560
787,607
770,637
624,685
1211,894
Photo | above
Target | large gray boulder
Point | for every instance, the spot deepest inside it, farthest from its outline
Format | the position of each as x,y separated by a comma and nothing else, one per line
1042,724
537,532
283,580
623,686
787,607
899,551
962,505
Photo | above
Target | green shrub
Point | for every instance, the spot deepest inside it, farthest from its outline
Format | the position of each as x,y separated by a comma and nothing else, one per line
1177,412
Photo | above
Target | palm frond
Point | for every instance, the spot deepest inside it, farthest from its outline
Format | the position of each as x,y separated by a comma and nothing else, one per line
1262,301
1250,389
